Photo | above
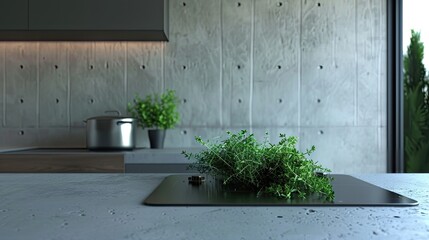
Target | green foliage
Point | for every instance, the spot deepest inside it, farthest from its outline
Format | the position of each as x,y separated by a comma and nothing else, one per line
278,169
414,70
155,111
416,129
416,108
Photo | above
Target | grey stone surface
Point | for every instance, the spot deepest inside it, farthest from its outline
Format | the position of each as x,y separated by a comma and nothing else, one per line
109,206
279,46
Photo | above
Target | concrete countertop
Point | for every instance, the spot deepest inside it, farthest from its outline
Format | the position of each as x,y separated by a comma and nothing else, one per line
5,149
109,206
137,156
140,160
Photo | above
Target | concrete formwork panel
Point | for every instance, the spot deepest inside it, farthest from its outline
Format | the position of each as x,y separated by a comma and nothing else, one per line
96,79
371,29
19,137
21,84
185,137
54,85
144,69
346,149
236,80
328,72
2,82
274,133
81,68
382,149
192,60
61,137
382,95
111,57
276,63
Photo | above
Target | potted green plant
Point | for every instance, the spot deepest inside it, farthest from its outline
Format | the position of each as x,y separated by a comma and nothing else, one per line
156,113
280,169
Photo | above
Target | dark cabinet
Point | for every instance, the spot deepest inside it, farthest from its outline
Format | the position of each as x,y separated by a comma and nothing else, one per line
13,14
86,20
96,14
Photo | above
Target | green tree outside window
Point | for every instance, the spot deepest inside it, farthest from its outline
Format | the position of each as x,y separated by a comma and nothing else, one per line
416,108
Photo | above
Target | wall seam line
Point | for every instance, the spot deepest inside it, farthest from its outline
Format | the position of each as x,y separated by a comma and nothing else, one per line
4,86
68,87
163,67
379,79
252,47
221,67
356,91
126,75
38,86
300,71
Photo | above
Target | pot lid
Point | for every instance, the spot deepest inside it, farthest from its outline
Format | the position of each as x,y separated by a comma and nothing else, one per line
111,118
118,116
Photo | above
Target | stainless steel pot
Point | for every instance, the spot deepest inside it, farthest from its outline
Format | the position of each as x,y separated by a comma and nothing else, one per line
110,133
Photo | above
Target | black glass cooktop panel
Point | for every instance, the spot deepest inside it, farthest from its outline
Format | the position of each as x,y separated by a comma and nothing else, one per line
175,190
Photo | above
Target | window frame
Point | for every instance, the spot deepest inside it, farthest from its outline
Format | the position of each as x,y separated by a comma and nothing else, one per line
395,89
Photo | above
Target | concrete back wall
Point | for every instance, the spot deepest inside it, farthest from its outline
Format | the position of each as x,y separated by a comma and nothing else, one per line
315,69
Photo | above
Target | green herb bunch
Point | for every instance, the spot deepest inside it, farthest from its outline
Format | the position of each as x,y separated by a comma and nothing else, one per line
278,169
155,111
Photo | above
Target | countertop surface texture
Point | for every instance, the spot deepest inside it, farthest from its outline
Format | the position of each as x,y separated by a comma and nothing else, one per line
109,206
136,156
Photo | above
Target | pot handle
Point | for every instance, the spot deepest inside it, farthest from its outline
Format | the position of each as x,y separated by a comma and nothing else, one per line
113,111
123,122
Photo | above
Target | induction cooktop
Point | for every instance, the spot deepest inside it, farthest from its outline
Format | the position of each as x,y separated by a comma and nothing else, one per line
179,190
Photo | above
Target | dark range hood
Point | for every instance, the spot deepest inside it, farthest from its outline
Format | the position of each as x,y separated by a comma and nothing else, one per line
83,20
